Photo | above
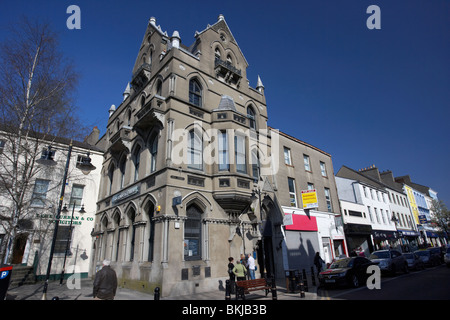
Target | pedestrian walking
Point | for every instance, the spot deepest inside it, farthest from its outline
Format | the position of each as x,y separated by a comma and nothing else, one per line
239,271
232,275
251,266
318,261
105,283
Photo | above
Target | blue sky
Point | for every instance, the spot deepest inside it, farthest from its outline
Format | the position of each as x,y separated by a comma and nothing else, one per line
365,96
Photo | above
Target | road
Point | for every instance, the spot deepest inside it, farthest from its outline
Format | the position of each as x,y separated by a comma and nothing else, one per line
429,284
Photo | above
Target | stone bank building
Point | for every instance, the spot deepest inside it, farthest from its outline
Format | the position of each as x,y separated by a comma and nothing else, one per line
191,170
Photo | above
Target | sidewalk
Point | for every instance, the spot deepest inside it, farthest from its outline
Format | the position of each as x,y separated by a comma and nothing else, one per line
34,292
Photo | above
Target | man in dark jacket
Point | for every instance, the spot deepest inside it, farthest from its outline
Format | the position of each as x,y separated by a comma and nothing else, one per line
105,283
318,261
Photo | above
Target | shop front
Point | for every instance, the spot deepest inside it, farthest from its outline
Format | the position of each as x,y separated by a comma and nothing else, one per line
385,239
409,240
302,242
358,238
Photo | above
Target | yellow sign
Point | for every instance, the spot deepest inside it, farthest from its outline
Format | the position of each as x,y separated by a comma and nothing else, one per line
309,199
412,203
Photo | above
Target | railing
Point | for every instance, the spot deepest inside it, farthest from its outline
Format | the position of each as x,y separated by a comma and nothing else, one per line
123,134
227,65
144,66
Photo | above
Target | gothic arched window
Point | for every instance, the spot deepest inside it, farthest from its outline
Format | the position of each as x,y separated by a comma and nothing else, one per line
195,92
251,118
193,233
136,160
195,150
153,151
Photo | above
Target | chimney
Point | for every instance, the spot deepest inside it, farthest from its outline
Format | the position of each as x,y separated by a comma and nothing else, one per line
387,176
92,138
373,172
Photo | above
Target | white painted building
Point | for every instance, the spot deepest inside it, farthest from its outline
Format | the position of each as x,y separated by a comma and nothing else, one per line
30,243
401,212
357,226
377,211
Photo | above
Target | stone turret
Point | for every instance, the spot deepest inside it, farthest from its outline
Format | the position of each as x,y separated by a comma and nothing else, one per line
175,39
260,86
126,93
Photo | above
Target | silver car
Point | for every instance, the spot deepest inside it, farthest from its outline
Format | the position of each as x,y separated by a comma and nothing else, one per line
389,261
414,262
429,259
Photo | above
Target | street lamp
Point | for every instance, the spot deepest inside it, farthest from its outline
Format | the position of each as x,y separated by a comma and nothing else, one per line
85,165
46,157
69,237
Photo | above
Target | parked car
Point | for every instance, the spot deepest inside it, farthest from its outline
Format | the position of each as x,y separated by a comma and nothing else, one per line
429,259
389,261
447,257
348,271
437,252
414,262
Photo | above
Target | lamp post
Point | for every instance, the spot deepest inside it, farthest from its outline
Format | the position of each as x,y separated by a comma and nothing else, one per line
55,231
68,238
47,159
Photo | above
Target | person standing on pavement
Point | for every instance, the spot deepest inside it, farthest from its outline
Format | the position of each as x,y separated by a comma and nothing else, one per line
318,261
244,261
231,274
251,266
105,283
239,271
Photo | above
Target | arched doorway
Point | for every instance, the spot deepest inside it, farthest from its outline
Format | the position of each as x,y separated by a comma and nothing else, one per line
20,242
269,247
150,234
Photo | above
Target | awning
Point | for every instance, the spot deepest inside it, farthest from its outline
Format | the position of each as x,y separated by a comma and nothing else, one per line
303,223
385,234
357,229
408,233
432,234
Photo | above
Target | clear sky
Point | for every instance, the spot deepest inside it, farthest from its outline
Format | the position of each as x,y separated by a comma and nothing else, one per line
365,96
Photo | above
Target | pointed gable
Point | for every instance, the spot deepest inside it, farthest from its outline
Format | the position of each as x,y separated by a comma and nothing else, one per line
218,45
153,44
219,27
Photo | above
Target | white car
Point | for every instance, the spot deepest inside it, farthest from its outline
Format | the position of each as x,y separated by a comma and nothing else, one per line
447,257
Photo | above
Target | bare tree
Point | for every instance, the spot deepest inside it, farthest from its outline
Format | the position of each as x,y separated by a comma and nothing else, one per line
441,215
36,87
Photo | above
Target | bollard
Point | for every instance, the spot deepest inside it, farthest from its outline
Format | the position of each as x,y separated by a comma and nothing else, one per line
305,280
274,290
156,296
227,290
288,285
292,282
313,276
302,288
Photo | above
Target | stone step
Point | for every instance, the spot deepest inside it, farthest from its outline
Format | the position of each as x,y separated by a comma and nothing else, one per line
22,275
